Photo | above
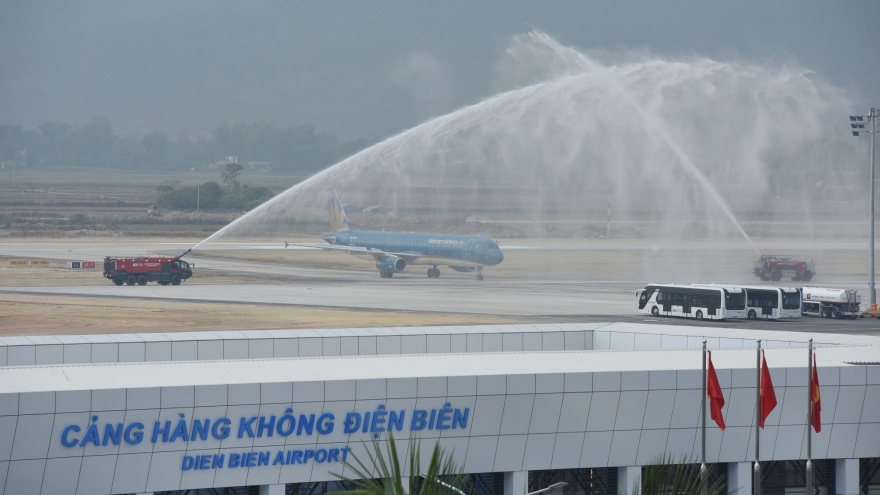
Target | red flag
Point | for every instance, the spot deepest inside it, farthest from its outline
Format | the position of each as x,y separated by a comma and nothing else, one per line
716,397
768,396
815,399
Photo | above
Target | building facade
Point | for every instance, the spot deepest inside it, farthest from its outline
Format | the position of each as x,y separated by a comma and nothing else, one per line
520,407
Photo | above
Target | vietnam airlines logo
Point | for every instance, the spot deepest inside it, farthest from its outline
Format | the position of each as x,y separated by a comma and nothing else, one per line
337,215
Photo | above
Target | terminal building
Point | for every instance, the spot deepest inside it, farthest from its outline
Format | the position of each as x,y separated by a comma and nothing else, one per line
520,407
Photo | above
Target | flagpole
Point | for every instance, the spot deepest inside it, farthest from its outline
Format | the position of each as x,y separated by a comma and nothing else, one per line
757,476
809,470
703,470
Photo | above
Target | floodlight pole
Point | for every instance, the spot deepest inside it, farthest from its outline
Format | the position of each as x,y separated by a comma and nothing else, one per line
858,127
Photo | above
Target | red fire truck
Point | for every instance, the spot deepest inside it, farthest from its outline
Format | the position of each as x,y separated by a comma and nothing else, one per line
139,270
774,267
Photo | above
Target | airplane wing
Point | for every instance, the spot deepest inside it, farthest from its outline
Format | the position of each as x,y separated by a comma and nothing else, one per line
375,253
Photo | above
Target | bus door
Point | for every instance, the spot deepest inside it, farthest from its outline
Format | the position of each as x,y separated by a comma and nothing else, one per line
666,299
686,304
714,302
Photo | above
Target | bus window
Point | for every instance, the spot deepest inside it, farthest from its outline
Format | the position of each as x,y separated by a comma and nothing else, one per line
791,300
734,301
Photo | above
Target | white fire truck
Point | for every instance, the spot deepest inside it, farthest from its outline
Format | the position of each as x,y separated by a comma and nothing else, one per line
830,303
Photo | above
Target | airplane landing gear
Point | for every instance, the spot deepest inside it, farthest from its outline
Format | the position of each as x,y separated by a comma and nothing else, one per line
386,274
479,274
434,272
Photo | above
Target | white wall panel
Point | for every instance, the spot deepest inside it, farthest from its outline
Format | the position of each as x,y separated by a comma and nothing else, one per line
574,412
545,413
480,454
458,343
492,342
308,391
794,407
264,349
462,403
105,417
662,379
36,403
211,395
164,472
658,409
432,386
631,410
735,443
268,435
212,413
624,448
567,450
852,375
603,411
740,407
338,409
25,477
547,383
622,341
243,393
539,452
789,440
413,344
768,441
370,389
689,379
7,434
843,440
59,472
209,349
235,414
268,475
439,344
32,433
686,412
511,342
455,446
521,384
578,382
680,442
276,393
143,398
474,342
601,340
402,387
48,354
510,452
155,351
533,342
871,406
849,404
552,341
606,381
96,475
867,445
652,446
461,385
597,446
177,397
238,476
132,352
109,399
491,384
9,404
388,344
517,414
322,471
487,415
181,351
73,401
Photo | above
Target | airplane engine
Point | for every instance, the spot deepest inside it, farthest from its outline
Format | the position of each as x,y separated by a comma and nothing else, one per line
391,264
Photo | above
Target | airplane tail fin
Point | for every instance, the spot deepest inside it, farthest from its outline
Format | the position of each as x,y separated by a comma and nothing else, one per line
338,220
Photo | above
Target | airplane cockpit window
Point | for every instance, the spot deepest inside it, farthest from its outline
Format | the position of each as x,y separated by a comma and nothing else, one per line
492,245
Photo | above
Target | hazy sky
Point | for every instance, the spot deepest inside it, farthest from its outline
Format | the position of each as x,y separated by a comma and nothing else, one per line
370,69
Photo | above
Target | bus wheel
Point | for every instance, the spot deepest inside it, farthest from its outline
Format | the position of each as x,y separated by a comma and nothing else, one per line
655,311
776,276
130,280
699,315
752,314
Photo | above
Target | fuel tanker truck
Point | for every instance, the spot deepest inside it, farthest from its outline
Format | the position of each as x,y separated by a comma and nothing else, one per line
831,303
131,270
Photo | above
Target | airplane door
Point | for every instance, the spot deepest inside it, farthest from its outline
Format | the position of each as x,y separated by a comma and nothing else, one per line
388,244
431,247
470,245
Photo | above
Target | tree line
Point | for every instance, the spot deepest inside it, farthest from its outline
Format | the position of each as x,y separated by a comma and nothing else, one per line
94,143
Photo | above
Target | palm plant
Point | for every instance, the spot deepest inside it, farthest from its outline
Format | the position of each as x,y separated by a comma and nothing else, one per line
381,473
665,476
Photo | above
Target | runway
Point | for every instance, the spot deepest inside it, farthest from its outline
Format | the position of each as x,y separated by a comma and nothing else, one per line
542,298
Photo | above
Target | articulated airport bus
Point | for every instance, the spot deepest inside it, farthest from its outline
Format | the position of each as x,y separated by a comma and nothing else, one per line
772,303
692,301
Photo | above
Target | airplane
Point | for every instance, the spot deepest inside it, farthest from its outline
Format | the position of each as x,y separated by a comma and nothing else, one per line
393,251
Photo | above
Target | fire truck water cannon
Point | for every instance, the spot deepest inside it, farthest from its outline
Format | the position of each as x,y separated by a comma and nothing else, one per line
131,270
774,267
